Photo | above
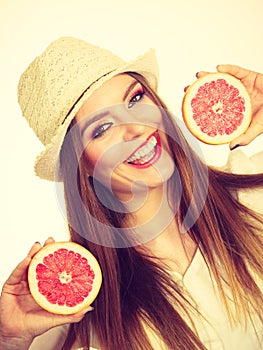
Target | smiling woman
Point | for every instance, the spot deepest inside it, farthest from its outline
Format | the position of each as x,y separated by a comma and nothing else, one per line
125,133
177,248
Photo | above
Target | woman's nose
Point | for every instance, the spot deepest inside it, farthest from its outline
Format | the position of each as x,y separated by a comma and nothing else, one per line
133,130
134,123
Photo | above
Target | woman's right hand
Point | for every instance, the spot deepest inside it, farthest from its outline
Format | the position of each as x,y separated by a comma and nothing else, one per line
21,318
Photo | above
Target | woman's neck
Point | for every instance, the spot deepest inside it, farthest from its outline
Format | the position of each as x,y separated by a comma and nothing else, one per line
157,229
171,248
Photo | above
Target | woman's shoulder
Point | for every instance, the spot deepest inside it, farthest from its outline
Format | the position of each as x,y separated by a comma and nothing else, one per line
54,339
50,340
240,163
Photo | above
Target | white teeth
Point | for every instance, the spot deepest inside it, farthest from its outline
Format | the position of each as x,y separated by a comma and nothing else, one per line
153,140
145,153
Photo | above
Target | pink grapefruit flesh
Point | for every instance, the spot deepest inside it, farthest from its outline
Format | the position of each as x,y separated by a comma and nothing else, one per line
216,108
64,278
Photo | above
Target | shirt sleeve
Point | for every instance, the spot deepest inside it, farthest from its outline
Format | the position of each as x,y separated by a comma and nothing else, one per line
54,339
239,163
50,340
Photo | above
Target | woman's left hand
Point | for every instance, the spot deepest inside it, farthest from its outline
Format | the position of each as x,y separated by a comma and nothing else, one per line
253,82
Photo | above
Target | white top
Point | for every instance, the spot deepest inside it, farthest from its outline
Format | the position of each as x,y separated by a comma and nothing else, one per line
216,333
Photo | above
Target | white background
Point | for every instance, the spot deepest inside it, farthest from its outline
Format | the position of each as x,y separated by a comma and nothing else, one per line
188,36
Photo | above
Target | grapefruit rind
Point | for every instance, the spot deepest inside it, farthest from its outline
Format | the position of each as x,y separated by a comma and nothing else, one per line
33,282
188,114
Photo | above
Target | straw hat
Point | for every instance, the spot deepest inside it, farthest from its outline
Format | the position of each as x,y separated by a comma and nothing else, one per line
56,83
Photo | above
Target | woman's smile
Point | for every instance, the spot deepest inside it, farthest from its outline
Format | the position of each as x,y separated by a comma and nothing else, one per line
147,153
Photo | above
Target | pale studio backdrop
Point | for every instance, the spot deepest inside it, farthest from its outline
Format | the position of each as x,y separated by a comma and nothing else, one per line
188,36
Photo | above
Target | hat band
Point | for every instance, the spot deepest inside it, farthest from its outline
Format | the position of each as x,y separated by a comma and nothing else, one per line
83,93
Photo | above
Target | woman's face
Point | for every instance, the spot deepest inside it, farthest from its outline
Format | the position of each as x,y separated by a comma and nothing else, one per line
122,137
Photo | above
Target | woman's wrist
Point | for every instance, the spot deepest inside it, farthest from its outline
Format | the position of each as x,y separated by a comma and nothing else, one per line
14,343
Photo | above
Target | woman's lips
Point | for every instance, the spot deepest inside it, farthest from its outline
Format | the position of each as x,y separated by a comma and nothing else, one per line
147,153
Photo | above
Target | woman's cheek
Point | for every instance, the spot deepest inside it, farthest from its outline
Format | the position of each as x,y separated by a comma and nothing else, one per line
91,158
103,160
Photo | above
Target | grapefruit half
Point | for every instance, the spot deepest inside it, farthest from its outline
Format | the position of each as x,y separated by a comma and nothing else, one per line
64,278
217,108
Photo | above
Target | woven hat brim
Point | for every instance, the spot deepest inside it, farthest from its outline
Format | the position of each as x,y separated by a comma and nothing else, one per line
47,164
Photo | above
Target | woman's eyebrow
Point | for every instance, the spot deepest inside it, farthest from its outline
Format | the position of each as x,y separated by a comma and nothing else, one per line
87,122
129,89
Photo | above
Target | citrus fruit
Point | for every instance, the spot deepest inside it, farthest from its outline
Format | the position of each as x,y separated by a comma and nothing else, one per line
64,277
216,108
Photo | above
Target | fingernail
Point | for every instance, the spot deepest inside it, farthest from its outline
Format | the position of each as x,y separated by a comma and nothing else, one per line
37,242
197,74
234,147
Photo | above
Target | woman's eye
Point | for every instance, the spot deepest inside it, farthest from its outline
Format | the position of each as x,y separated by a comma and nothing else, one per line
100,130
135,99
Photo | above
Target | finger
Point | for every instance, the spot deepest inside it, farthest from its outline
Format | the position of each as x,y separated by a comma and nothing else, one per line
198,75
63,319
84,311
237,71
47,320
78,316
252,132
49,240
34,249
19,273
201,74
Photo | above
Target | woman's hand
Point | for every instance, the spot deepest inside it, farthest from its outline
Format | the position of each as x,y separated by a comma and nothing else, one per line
21,319
253,82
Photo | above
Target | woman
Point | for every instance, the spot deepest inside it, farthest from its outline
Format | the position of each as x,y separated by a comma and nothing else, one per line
180,254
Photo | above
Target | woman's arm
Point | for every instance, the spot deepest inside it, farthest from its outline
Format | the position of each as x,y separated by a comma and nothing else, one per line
21,319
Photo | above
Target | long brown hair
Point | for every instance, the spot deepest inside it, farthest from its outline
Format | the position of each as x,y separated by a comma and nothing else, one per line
136,290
